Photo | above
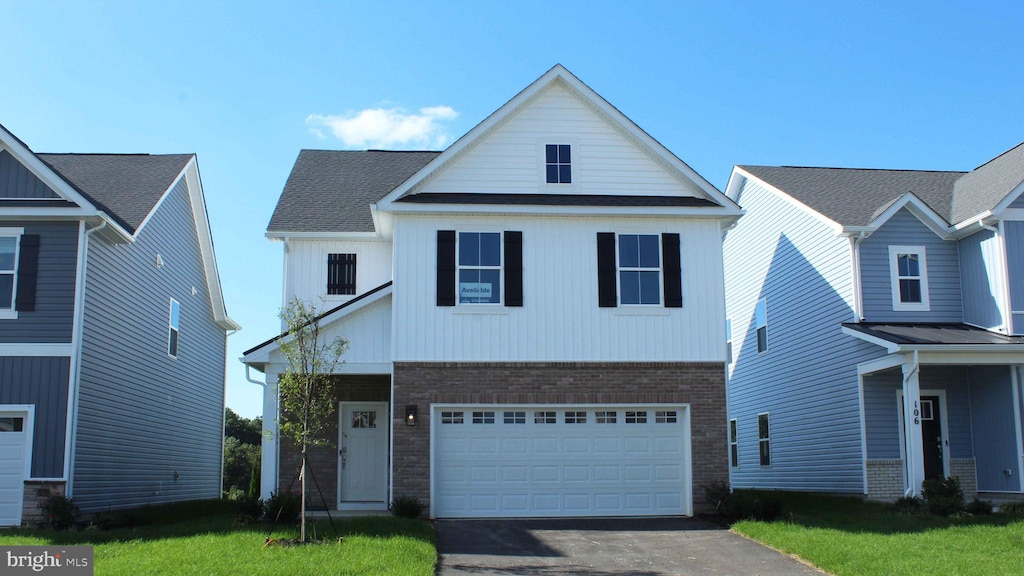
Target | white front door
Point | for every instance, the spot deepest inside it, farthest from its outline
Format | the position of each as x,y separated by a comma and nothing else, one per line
14,458
363,458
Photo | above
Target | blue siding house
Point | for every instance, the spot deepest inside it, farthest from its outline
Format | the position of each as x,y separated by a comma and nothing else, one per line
876,322
112,332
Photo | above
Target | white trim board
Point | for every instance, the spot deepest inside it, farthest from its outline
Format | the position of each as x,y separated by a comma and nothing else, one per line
36,349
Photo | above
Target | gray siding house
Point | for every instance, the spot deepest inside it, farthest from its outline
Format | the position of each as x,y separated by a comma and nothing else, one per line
876,325
112,332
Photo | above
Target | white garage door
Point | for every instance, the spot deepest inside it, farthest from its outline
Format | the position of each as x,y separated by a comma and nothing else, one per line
13,458
543,461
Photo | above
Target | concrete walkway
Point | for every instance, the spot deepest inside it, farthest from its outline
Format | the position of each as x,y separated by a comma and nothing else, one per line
603,547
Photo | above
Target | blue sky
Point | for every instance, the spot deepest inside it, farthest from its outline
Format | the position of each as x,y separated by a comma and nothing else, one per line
246,85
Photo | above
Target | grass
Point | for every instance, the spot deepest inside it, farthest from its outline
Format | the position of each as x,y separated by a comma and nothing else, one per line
849,537
217,545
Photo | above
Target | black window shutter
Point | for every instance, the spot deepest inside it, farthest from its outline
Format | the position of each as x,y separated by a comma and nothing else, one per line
446,268
513,268
606,294
28,266
672,271
341,273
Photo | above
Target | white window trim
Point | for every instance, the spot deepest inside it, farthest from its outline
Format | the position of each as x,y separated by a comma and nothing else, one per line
177,329
894,279
767,439
660,270
16,233
757,326
500,268
735,442
557,187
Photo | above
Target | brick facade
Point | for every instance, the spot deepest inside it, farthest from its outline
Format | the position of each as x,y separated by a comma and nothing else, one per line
701,385
36,492
324,459
885,478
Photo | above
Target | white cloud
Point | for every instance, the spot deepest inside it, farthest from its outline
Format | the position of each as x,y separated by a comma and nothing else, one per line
386,127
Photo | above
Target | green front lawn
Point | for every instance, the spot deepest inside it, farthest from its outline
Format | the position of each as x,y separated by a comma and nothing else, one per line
217,545
848,537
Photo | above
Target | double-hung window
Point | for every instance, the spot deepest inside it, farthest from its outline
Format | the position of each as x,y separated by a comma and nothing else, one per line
639,269
764,441
761,322
172,328
479,268
8,267
909,276
734,445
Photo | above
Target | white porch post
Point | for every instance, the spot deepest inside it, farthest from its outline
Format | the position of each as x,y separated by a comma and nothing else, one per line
912,426
269,462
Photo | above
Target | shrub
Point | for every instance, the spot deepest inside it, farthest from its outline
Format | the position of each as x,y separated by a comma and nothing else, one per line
752,505
943,495
717,493
60,512
160,513
909,505
282,507
979,507
1012,509
407,507
249,509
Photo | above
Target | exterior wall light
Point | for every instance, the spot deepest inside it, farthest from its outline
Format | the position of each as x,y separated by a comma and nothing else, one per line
410,415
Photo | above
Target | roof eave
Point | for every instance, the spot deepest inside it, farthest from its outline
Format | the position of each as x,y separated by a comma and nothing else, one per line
698,212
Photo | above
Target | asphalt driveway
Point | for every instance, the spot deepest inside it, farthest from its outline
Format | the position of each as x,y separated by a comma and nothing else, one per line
603,547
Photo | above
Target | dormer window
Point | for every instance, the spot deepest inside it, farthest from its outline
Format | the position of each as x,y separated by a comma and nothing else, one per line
559,164
909,277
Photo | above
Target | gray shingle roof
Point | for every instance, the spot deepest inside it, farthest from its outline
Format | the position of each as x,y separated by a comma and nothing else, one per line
125,186
331,190
985,186
933,334
855,196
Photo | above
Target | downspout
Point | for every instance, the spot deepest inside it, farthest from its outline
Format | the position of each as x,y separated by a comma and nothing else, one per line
1004,279
906,437
858,297
265,458
224,412
76,359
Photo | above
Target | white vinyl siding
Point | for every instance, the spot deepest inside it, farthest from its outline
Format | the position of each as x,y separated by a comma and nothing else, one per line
511,159
306,268
560,289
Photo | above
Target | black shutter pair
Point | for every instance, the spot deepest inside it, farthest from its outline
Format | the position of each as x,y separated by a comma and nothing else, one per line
341,273
446,268
671,273
28,271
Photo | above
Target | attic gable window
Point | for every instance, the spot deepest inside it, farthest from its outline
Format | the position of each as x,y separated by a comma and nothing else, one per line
341,274
558,162
909,277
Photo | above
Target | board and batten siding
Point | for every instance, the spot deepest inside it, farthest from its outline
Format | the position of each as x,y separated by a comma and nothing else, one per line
995,427
1014,238
807,379
149,426
560,319
17,181
981,278
52,321
42,382
882,406
368,332
943,268
511,158
306,268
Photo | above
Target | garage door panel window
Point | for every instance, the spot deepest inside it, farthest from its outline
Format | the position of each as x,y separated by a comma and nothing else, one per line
515,417
452,417
666,417
636,417
545,417
483,417
12,424
606,417
575,417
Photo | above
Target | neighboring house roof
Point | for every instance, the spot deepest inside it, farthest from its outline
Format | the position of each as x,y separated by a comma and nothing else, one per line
332,190
555,199
856,196
922,334
126,186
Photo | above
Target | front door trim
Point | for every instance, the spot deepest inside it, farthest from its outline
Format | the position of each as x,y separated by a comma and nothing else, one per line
943,414
383,420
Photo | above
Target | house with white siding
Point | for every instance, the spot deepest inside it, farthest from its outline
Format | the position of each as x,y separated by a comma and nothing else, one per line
876,328
112,332
536,317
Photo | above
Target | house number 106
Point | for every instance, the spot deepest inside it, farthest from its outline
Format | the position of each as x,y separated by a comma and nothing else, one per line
917,413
